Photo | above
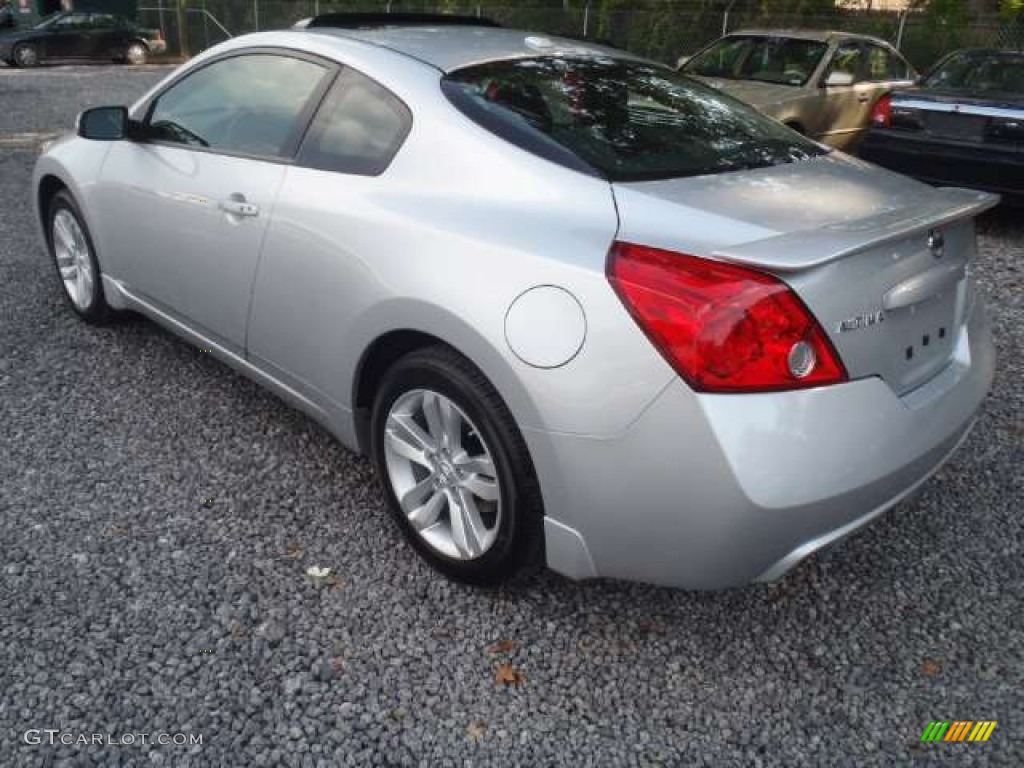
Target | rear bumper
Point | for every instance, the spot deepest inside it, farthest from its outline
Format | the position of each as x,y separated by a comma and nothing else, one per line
720,490
986,168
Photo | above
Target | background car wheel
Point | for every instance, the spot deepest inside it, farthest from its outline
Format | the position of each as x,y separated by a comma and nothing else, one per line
455,469
75,259
136,53
26,55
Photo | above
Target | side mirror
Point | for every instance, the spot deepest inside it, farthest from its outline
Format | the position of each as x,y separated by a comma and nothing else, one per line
103,123
839,79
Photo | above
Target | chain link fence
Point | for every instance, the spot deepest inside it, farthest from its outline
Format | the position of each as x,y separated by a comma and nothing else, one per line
676,29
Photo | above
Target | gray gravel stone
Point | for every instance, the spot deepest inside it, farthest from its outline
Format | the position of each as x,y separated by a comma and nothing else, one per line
200,620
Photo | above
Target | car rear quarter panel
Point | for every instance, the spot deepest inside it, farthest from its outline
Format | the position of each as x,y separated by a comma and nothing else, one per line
443,242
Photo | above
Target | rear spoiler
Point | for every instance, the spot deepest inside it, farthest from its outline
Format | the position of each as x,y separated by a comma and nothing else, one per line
814,247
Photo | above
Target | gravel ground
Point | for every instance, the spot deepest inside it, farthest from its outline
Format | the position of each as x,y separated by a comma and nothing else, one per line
127,606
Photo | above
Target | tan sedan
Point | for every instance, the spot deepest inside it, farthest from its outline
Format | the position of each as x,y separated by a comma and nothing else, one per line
823,84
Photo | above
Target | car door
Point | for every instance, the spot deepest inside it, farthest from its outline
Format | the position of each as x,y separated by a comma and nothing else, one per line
332,219
102,37
846,108
69,39
184,210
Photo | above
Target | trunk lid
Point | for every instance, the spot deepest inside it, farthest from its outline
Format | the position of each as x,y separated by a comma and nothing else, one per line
882,261
957,116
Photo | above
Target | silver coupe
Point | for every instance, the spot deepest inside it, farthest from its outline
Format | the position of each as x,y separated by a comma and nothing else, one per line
577,308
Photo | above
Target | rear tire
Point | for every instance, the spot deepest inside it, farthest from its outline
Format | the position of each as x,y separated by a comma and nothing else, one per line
442,439
74,257
25,55
136,54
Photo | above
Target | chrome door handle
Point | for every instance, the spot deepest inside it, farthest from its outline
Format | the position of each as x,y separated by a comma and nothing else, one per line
239,208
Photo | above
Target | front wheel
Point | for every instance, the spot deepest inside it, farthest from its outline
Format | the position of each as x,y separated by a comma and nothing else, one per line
72,251
26,55
455,470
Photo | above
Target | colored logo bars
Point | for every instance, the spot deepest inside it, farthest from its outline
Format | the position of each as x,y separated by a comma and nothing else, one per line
958,730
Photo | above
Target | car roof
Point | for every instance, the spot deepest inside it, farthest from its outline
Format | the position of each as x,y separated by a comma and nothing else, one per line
821,35
453,47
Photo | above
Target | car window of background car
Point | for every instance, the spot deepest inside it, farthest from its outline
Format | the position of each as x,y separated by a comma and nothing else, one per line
979,71
629,120
248,104
358,128
51,20
849,59
73,21
789,61
883,64
720,60
104,21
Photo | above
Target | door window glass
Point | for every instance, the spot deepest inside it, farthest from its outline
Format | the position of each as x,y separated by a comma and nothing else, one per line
358,129
883,64
248,104
848,58
72,21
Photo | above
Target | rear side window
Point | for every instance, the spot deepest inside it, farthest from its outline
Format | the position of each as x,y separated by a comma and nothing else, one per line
979,71
626,120
883,64
358,128
249,104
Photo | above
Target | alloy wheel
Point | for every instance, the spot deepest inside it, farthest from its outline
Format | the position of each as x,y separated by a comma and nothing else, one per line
26,56
136,54
443,474
73,260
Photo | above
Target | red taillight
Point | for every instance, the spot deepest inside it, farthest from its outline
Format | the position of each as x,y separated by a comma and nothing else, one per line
724,328
881,115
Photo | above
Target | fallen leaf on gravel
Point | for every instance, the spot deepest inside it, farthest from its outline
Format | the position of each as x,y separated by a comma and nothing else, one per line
777,592
507,674
932,667
293,549
651,627
476,730
502,646
337,663
334,581
113,531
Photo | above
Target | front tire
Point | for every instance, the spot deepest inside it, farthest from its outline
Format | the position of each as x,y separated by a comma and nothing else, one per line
455,470
74,257
25,55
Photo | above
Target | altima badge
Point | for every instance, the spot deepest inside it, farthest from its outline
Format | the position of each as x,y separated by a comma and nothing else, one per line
857,322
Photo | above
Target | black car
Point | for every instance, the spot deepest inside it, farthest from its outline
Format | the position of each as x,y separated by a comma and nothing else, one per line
81,36
963,125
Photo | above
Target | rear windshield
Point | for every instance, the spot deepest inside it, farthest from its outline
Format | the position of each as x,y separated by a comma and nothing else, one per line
979,71
623,120
782,60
